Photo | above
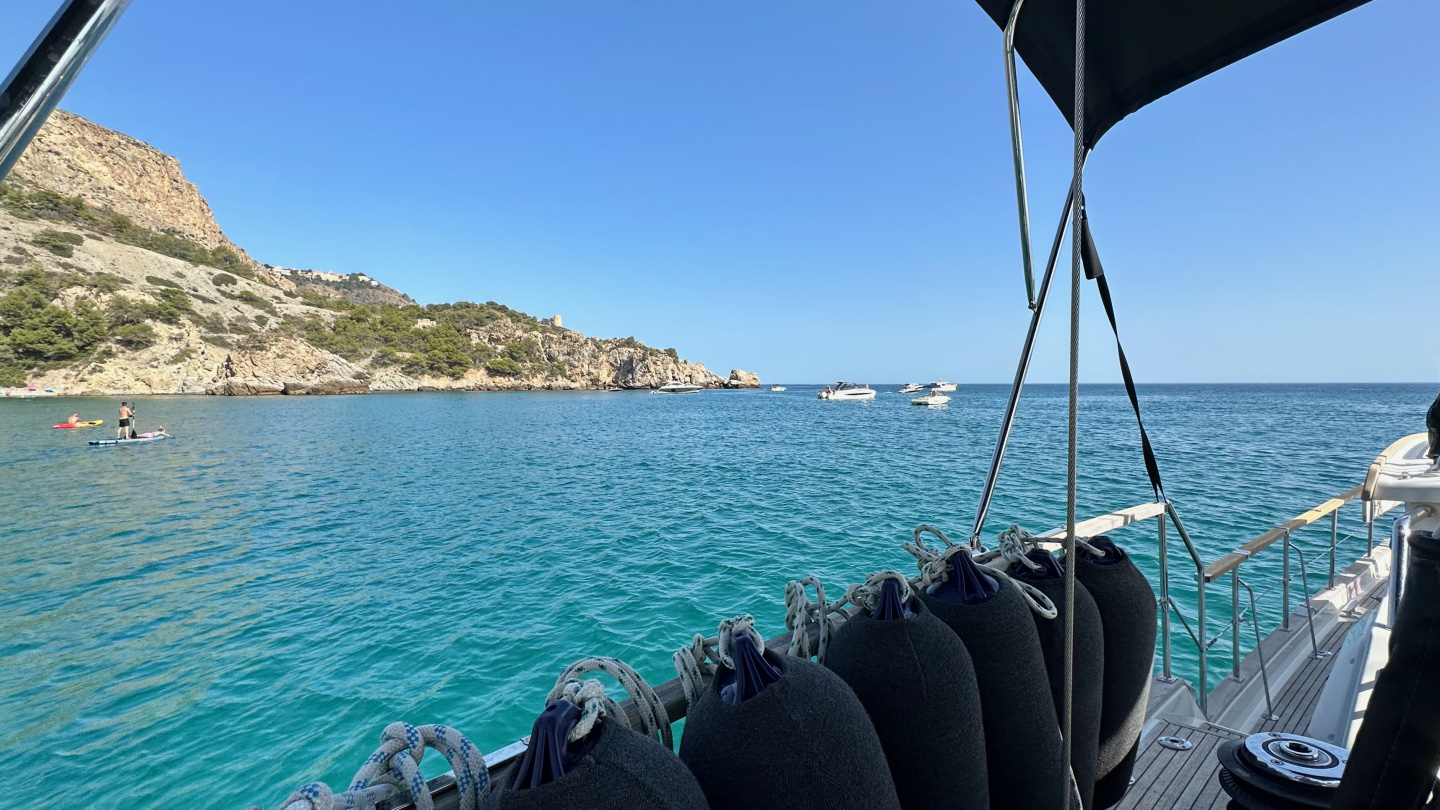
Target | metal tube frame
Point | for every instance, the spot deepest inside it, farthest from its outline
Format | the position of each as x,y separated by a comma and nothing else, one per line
1164,603
1334,529
1018,151
1022,369
1315,650
1259,651
47,70
1285,580
1235,623
1201,646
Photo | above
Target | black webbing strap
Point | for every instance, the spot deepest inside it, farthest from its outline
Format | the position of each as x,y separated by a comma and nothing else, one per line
1093,270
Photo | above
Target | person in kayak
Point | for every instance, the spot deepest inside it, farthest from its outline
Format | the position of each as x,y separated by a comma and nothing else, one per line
125,415
73,420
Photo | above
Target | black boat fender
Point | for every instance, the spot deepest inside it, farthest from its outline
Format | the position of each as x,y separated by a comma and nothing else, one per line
917,683
1041,569
584,754
991,614
779,731
1126,603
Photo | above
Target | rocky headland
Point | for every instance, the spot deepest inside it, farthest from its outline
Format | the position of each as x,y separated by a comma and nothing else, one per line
116,279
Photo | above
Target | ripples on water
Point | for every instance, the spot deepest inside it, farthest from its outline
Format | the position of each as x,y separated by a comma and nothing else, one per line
214,619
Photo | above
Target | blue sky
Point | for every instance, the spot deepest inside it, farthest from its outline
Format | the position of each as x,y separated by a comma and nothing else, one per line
810,190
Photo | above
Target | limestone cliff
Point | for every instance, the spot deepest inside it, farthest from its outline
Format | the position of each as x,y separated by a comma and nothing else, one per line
75,157
88,309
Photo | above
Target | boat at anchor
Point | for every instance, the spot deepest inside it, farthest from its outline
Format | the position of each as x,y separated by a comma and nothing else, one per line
1036,684
847,392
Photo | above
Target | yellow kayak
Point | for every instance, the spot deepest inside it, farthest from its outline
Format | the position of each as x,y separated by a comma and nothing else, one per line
91,423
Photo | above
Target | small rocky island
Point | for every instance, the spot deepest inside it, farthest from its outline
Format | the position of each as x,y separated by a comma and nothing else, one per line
115,279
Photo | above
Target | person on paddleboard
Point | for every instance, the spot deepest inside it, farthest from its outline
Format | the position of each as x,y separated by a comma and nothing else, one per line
160,431
126,414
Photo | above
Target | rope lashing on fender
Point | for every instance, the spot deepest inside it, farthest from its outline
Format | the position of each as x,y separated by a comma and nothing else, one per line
693,664
703,656
934,567
1015,543
393,771
800,611
867,594
1012,545
591,698
744,623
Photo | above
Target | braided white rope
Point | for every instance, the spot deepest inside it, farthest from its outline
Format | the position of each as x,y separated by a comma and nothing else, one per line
800,611
692,666
1014,546
744,623
867,594
590,697
393,771
935,567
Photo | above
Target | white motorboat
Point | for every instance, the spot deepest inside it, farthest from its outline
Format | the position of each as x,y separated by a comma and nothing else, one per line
677,387
912,388
778,388
847,391
942,386
933,398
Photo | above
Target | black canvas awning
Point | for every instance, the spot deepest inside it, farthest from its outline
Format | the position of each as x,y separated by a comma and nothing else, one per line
1139,50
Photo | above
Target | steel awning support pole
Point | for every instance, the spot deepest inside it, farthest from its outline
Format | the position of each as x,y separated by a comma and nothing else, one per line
1077,193
1018,152
1021,370
47,70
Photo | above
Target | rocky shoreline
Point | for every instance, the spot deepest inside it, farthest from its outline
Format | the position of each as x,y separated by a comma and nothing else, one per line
115,280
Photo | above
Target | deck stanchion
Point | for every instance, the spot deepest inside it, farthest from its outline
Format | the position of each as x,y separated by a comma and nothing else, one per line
1202,648
1164,604
1235,623
1369,530
1285,581
1334,528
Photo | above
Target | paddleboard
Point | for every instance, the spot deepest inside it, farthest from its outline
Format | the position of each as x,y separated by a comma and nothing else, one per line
112,442
91,423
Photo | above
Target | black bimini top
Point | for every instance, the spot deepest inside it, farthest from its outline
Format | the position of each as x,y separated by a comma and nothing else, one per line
1139,50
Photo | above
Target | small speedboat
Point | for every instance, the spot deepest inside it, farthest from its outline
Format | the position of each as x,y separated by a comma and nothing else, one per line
942,386
912,388
846,391
777,388
677,387
933,399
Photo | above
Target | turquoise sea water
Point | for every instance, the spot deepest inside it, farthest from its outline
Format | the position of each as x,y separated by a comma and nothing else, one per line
212,620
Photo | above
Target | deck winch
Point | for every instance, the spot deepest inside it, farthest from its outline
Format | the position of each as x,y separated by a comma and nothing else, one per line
1277,771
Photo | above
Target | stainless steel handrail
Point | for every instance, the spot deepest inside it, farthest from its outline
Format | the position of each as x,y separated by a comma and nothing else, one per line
1230,563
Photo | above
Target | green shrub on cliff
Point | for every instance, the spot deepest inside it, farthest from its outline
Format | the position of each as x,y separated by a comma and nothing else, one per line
47,205
504,365
133,335
61,243
37,334
223,280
